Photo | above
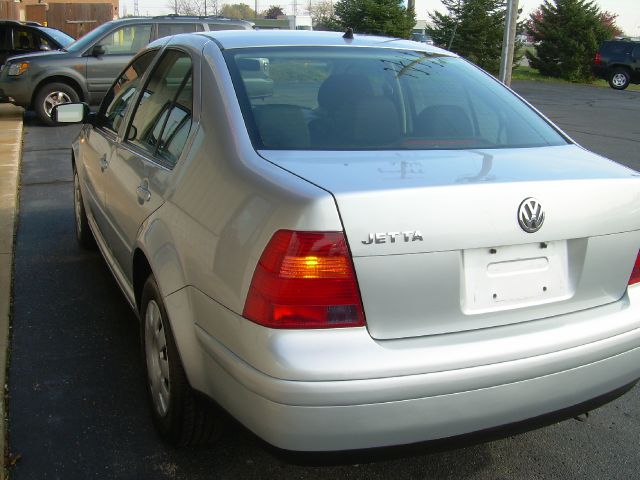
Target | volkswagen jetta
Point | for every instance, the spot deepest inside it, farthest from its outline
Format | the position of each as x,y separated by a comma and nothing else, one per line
355,241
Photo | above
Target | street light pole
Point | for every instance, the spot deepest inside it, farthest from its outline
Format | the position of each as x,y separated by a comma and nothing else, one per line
508,42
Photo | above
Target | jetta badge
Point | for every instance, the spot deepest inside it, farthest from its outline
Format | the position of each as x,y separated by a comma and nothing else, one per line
530,215
391,237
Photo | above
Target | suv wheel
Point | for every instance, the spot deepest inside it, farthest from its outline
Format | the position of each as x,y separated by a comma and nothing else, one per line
50,95
619,79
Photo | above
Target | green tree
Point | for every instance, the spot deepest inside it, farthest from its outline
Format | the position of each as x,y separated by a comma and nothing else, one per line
376,17
567,34
238,10
273,12
471,28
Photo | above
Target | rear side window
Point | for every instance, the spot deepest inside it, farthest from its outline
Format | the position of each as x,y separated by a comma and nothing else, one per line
166,29
332,98
616,48
162,120
225,26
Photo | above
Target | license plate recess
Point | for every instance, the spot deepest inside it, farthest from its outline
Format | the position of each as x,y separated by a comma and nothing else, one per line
514,276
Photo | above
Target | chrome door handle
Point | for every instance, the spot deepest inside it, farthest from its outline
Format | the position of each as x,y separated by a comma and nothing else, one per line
144,195
103,162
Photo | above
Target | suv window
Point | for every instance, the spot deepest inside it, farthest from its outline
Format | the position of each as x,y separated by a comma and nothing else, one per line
166,29
162,120
225,26
24,39
121,94
126,40
616,48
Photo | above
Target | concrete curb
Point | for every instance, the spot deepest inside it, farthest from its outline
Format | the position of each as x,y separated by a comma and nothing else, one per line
10,156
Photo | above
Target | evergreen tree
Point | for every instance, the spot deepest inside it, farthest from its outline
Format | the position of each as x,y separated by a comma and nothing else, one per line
273,12
376,17
471,28
567,34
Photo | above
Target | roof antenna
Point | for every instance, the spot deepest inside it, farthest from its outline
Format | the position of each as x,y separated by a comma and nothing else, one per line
348,34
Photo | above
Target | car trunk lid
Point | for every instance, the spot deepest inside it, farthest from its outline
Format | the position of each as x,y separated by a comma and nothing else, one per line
437,245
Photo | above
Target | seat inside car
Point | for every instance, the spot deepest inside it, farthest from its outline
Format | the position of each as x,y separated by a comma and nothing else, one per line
282,126
443,122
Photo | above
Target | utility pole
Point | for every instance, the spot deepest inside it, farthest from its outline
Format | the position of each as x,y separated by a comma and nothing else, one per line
508,42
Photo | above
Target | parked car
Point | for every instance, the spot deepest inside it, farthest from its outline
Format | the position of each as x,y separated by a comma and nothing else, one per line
390,248
84,70
24,37
618,62
421,37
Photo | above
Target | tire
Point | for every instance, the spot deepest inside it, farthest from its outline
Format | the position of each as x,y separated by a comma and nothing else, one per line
619,79
53,94
84,236
180,415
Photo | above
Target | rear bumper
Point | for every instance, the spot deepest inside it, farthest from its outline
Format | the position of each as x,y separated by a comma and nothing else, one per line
600,72
366,425
317,415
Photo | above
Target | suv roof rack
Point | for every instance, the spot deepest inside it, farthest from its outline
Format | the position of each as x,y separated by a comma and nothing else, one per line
213,17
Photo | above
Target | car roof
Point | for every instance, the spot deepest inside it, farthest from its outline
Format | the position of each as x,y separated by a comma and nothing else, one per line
230,39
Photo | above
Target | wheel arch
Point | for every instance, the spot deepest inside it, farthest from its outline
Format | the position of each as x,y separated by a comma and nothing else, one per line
180,318
619,66
72,82
140,272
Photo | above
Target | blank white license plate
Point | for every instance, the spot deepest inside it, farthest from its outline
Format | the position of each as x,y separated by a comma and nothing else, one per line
515,276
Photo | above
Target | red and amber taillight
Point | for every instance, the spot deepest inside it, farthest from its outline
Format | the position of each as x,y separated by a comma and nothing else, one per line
635,273
305,280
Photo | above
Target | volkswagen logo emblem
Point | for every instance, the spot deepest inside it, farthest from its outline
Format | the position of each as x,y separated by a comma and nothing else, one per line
530,215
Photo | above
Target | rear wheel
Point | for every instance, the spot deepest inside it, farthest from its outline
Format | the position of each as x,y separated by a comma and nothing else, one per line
180,415
50,95
619,79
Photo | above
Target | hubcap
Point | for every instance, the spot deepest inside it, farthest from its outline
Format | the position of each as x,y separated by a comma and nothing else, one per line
157,358
53,99
77,205
619,79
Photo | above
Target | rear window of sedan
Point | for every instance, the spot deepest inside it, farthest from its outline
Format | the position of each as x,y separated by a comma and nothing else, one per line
341,98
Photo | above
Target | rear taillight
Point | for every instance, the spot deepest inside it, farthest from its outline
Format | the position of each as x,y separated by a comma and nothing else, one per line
598,59
635,273
305,280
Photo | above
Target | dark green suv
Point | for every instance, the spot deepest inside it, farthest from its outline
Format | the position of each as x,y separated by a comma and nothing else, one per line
618,61
84,70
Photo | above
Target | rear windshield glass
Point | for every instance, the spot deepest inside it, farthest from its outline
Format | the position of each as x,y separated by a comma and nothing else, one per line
336,98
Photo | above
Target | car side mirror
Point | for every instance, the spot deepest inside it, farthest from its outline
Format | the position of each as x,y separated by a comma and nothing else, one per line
45,48
97,51
70,112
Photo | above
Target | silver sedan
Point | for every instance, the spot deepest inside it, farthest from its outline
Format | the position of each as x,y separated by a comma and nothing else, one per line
354,241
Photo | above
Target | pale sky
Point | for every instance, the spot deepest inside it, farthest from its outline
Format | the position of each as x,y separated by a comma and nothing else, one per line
628,10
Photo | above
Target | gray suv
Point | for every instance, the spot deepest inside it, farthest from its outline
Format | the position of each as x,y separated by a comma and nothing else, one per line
84,70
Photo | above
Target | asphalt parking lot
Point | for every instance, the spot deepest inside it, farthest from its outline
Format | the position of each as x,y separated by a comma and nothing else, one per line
77,406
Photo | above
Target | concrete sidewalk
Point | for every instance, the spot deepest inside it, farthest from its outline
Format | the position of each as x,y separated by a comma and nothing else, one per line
10,155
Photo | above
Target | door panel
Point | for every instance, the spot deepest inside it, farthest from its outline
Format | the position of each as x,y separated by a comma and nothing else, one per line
96,155
134,190
153,141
